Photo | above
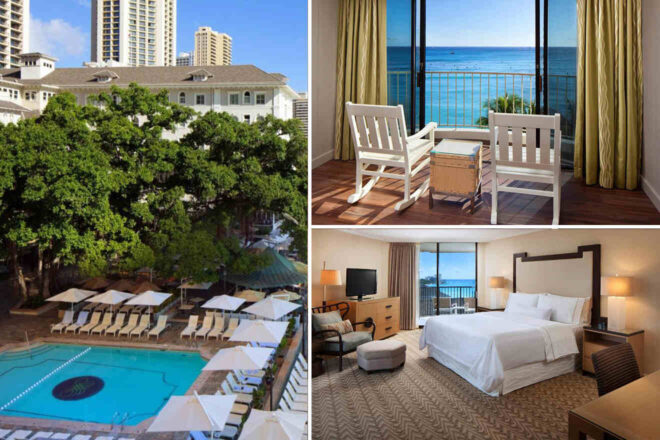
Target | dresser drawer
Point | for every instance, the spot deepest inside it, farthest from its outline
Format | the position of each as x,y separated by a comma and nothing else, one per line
386,329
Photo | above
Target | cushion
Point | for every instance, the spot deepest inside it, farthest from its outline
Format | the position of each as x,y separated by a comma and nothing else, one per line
381,349
533,312
563,307
321,319
522,299
351,341
342,327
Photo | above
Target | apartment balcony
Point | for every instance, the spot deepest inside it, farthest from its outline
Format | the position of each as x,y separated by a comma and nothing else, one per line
459,298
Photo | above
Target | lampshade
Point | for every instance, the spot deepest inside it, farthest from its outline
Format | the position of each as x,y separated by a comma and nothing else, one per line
616,286
330,277
497,282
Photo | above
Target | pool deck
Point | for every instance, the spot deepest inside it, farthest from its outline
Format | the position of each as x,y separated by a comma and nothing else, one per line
13,337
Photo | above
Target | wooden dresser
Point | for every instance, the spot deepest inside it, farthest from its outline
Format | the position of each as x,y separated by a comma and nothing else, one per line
384,311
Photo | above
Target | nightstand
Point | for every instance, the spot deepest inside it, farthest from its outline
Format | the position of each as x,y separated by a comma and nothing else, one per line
594,340
488,309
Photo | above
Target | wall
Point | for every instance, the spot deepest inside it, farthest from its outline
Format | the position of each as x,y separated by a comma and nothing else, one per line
341,250
624,252
324,87
651,58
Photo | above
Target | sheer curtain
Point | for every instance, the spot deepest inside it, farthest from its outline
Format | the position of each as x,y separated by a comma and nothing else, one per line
361,63
608,132
403,281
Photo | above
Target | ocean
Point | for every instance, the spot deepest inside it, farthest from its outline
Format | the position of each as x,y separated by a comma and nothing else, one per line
462,81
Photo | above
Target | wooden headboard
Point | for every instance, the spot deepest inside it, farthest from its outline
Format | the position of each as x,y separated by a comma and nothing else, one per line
574,274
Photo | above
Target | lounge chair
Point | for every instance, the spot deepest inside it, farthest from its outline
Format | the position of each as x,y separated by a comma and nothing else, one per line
119,323
239,408
302,361
239,388
132,323
93,322
82,319
4,433
81,437
160,326
218,328
61,436
240,397
295,396
67,320
206,327
41,434
294,406
249,380
191,328
21,434
230,432
143,327
107,322
233,323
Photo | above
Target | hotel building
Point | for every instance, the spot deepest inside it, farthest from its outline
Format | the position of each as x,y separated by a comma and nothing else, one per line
14,31
212,48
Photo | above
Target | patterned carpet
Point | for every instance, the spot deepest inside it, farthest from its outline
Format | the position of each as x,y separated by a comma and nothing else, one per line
425,400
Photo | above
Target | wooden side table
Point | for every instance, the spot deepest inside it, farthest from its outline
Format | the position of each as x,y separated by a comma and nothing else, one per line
594,340
456,170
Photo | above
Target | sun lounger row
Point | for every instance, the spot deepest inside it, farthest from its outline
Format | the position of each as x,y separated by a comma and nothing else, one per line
294,396
24,434
213,326
137,324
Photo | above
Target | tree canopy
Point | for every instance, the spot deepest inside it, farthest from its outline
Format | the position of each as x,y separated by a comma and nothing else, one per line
107,186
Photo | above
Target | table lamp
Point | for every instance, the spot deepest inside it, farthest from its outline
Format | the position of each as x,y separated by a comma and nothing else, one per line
496,284
616,289
329,277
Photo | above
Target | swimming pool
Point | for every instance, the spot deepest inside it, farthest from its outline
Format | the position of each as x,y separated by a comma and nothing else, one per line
92,383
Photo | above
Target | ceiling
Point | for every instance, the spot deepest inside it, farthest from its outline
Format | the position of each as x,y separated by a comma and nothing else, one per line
422,235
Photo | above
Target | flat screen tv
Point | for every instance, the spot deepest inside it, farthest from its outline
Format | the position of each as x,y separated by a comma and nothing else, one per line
361,282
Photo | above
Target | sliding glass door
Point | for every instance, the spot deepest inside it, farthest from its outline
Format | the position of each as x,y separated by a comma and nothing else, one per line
447,279
401,56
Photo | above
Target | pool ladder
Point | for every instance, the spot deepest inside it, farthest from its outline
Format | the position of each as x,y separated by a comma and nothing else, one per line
120,421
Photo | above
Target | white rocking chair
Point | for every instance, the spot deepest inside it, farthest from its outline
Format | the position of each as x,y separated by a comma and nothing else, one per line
528,163
380,138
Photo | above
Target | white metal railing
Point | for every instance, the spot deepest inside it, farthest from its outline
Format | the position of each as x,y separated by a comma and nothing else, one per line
462,99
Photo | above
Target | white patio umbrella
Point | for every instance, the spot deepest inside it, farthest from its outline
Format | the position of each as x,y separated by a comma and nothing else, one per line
72,296
149,298
250,295
272,308
270,332
223,302
194,413
274,425
111,297
239,358
190,285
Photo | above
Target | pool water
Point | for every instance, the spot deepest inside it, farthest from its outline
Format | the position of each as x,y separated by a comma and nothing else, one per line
103,384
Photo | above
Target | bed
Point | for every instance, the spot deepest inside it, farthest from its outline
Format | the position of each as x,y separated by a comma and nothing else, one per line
499,352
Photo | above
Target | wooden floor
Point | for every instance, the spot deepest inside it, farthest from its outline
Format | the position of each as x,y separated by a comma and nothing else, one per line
334,181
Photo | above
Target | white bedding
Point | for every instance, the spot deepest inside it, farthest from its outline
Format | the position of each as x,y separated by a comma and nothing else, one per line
487,344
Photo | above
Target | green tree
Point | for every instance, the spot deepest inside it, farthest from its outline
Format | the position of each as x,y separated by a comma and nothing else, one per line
506,104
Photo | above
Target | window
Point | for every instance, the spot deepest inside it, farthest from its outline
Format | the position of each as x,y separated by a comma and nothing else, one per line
182,98
246,98
199,99
261,98
447,279
246,119
233,99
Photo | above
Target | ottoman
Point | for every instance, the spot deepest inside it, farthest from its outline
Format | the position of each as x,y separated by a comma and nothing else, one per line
381,355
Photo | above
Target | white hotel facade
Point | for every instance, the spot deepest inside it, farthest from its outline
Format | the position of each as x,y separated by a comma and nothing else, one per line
244,91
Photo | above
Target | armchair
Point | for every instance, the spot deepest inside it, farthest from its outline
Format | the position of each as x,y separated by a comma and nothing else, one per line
331,341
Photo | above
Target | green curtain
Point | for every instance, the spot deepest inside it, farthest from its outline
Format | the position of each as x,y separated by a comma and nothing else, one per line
608,132
361,63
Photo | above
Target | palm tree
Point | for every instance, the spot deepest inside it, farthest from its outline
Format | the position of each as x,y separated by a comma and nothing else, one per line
507,104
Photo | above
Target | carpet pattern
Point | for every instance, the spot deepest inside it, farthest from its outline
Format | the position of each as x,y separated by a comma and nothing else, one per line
424,400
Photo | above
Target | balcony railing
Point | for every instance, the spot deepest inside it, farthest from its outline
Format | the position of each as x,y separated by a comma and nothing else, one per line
459,99
458,294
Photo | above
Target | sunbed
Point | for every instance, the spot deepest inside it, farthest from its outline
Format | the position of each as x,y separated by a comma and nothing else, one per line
190,328
160,326
218,327
107,322
233,323
143,327
132,323
67,320
240,397
82,319
119,323
205,328
93,322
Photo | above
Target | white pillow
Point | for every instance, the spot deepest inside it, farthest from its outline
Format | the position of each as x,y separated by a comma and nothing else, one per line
534,312
563,307
522,299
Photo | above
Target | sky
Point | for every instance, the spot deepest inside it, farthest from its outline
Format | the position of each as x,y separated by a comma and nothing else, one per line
453,266
480,23
271,34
